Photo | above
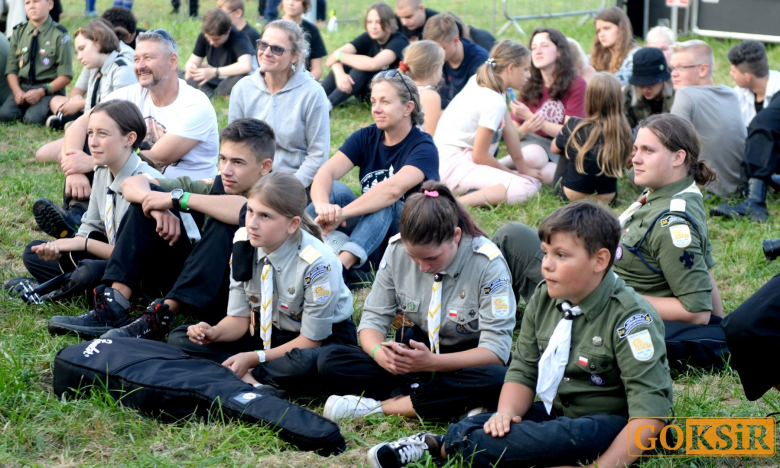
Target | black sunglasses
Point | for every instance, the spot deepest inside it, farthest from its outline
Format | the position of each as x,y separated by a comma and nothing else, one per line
163,33
390,74
276,50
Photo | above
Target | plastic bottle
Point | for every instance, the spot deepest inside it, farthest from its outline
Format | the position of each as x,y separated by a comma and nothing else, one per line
333,23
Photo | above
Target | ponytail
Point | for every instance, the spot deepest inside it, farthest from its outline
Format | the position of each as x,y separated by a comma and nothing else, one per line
703,172
284,193
430,217
502,55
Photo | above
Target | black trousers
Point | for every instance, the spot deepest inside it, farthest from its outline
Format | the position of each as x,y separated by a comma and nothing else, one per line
43,270
193,6
296,372
216,87
142,260
348,370
359,89
762,146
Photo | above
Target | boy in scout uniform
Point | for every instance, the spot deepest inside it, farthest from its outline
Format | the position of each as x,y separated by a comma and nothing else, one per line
445,277
590,347
39,65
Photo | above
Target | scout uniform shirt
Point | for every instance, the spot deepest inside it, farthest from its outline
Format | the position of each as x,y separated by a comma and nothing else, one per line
617,363
664,248
116,72
309,292
53,57
477,301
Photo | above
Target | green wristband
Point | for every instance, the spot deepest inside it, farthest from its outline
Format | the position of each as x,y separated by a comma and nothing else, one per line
373,351
183,201
338,57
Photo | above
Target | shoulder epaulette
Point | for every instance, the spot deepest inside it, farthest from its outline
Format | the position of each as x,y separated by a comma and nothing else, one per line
120,62
61,28
309,254
489,250
20,25
394,239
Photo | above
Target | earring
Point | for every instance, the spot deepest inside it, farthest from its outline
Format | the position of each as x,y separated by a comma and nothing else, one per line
293,67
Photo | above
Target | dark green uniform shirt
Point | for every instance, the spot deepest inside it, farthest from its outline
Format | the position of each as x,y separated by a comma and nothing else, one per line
53,58
617,363
677,251
200,186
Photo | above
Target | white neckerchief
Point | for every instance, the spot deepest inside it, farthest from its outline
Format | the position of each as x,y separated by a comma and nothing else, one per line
434,314
108,218
632,209
266,303
555,357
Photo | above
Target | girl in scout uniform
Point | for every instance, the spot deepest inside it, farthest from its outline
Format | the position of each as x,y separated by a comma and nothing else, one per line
452,284
287,297
665,252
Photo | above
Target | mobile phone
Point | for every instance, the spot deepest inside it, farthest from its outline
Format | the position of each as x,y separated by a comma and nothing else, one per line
511,94
387,344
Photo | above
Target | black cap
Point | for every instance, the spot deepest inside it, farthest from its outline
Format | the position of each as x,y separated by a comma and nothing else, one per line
649,67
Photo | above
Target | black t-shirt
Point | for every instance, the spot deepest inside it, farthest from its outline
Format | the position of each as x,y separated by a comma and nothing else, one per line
135,39
482,38
758,105
378,162
589,182
253,36
417,33
364,45
317,46
455,79
237,44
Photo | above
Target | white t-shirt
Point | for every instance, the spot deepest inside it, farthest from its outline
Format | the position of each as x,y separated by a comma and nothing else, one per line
473,107
191,115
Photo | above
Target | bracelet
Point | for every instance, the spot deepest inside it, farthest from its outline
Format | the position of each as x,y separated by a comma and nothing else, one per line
338,57
86,239
216,72
47,89
183,201
373,351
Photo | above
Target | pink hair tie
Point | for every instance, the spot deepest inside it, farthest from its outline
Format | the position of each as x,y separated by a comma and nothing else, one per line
432,193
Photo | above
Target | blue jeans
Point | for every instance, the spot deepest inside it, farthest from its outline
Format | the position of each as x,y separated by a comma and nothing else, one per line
539,439
271,10
367,233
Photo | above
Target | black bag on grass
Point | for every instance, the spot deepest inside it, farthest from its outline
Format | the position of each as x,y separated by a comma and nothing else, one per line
699,346
163,382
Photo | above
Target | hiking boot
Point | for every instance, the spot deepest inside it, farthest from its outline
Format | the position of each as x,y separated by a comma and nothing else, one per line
153,324
350,406
754,206
404,451
60,122
108,313
55,221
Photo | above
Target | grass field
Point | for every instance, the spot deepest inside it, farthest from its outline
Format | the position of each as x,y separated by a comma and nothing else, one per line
37,429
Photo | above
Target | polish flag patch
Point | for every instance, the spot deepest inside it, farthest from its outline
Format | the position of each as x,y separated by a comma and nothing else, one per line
453,313
582,361
285,307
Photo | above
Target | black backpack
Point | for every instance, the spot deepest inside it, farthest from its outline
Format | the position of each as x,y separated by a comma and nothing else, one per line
161,381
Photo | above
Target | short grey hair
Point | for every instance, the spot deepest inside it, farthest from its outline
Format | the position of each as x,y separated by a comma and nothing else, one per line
166,43
700,49
664,32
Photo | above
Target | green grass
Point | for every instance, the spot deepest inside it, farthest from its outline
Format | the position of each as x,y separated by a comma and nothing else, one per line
37,429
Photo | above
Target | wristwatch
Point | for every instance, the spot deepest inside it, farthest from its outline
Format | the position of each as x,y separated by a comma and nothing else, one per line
216,72
261,355
176,195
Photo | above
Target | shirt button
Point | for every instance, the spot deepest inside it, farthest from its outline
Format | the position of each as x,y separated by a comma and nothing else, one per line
566,379
566,404
592,366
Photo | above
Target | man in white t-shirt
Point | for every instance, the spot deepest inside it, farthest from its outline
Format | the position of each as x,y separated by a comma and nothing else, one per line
181,135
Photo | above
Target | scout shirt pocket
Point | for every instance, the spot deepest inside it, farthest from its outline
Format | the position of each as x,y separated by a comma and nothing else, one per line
593,369
290,308
462,319
410,306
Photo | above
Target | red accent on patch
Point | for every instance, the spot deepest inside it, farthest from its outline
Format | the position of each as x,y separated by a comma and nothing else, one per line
582,361
284,306
453,313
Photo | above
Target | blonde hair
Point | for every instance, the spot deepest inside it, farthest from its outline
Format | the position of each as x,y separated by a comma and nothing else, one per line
441,27
607,123
502,55
418,116
423,59
297,38
611,59
284,193
700,49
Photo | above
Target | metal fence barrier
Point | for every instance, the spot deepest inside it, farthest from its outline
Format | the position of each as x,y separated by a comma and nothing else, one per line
535,9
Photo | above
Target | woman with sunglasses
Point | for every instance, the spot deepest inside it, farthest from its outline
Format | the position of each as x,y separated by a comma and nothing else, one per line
379,48
284,95
394,156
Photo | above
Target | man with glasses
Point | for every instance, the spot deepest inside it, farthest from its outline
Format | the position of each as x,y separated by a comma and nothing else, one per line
182,138
713,111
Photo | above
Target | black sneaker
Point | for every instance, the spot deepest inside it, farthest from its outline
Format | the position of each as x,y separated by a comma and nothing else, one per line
106,314
153,324
403,451
53,220
55,122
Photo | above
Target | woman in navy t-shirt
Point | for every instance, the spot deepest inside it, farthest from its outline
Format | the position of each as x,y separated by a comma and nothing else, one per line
352,65
394,156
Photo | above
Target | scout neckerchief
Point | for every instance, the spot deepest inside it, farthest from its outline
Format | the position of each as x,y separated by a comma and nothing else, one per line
434,314
632,209
33,56
266,303
556,356
95,90
108,217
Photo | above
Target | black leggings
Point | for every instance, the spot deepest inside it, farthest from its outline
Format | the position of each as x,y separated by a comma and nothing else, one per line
359,89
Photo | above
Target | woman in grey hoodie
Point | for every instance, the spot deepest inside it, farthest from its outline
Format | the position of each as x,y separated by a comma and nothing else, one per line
284,95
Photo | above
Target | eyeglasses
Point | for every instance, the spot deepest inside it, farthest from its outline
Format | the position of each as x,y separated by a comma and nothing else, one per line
683,67
391,73
276,50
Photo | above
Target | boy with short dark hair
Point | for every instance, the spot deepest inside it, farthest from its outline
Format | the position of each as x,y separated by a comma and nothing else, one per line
756,83
235,9
590,347
39,65
227,51
461,56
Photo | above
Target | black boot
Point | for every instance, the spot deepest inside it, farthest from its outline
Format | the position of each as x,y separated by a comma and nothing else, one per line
153,324
754,206
108,313
55,221
774,182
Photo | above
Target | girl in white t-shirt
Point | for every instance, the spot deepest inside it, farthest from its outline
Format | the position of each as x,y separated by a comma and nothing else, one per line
423,62
472,126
